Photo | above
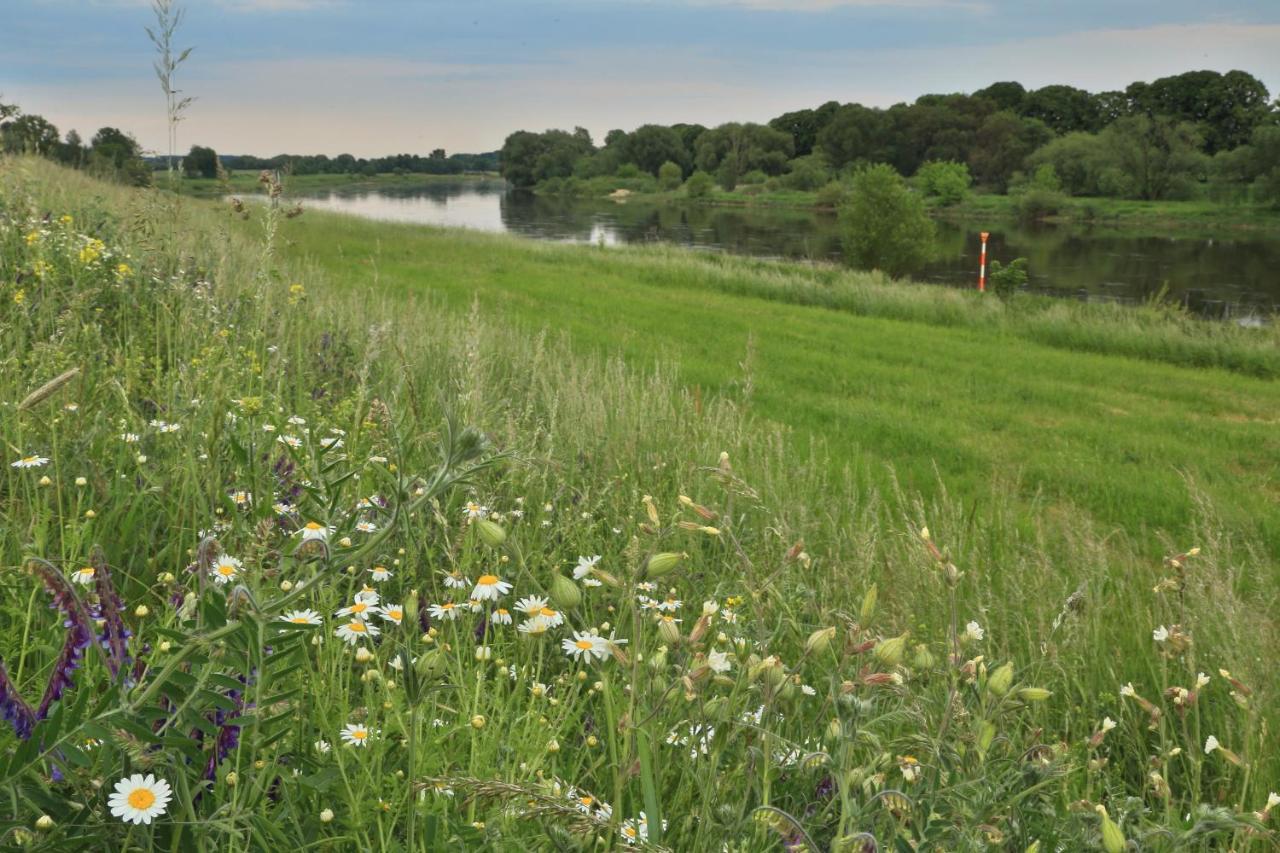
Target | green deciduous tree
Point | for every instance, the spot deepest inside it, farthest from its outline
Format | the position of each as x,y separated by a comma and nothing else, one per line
883,223
669,175
945,180
1158,155
201,162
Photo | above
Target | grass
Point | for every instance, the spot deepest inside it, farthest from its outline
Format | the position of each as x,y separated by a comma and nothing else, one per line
832,690
1069,405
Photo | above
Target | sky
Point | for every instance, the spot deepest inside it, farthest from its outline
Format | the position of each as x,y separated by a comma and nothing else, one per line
373,77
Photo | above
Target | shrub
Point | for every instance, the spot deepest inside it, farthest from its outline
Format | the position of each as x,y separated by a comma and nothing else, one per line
807,173
699,185
755,176
669,175
1005,280
884,225
832,194
628,170
945,180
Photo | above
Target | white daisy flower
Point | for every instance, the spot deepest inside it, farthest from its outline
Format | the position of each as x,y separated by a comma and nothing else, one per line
84,576
501,616
535,627
290,440
380,573
361,610
392,612
584,567
315,530
366,527
355,734
355,630
585,645
456,580
368,595
297,421
444,610
553,618
475,510
322,746
490,588
30,462
531,605
301,617
225,569
671,605
139,798
330,443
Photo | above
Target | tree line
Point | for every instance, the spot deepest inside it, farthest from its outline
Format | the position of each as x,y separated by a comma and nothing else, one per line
1157,140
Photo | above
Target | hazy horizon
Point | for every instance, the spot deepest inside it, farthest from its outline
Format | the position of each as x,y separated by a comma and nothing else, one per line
376,78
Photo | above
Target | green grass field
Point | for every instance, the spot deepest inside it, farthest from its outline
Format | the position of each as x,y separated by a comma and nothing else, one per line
878,564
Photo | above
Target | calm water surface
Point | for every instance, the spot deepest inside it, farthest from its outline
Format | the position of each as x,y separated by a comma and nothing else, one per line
1234,276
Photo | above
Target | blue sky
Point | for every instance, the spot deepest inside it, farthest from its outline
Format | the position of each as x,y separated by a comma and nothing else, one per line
379,76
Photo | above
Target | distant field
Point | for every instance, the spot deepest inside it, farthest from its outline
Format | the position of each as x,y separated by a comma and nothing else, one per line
949,388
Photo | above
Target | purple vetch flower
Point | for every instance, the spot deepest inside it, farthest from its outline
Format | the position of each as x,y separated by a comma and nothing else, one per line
424,614
482,625
68,661
14,708
115,636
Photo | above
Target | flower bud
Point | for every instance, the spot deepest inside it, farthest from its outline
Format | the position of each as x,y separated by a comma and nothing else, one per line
869,605
923,658
659,564
658,660
1112,838
1001,680
669,631
430,664
363,655
1034,694
819,641
565,593
889,652
490,532
326,816
44,822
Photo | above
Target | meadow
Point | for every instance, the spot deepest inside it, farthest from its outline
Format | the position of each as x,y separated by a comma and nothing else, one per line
326,534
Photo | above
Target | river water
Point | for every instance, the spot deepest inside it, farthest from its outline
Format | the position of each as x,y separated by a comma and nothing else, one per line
1232,275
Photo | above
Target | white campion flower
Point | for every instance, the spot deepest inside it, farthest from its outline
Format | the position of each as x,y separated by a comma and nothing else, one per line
718,661
1273,800
1128,691
973,631
1160,634
584,567
1201,680
1210,744
1108,724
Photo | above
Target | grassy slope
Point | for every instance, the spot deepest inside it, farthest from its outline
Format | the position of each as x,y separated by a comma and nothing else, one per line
1128,441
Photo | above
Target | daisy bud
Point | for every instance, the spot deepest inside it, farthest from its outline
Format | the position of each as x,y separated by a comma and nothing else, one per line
660,564
44,822
593,741
165,645
490,532
477,722
819,641
363,655
259,764
345,541
45,481
326,816
889,652
553,746
141,610
81,481
88,513
565,593
1001,680
232,779
166,577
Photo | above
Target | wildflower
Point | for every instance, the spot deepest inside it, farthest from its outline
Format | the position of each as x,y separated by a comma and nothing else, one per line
1128,691
141,610
477,722
359,610
910,767
315,530
1201,680
331,443
584,567
380,574
84,576
444,610
392,613
973,631
531,605
718,661
289,440
130,437
322,746
140,798
366,527
490,588
1160,634
475,510
30,462
671,605
456,580
584,644
44,822
302,617
1108,724
1210,744
534,627
368,595
354,630
552,618
326,815
355,734
501,616
225,569
1273,800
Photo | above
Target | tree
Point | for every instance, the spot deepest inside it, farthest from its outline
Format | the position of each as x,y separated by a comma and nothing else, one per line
699,185
945,180
808,173
201,162
651,145
1007,95
669,175
805,125
1001,145
117,154
30,134
883,223
734,149
72,150
1157,155
1063,108
854,134
1077,159
531,157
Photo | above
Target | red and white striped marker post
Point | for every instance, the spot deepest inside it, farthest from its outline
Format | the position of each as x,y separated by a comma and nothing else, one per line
982,264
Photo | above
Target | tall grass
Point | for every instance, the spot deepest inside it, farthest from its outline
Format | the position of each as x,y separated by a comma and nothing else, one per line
824,689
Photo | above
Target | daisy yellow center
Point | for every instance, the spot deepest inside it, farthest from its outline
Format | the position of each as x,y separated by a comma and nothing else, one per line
358,627
311,525
488,580
586,801
300,620
141,798
546,611
396,614
359,607
502,611
359,734
30,459
226,569
87,571
629,831
583,644
448,605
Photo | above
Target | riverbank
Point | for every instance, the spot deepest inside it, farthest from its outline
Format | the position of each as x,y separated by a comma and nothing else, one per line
328,409
1127,214
246,182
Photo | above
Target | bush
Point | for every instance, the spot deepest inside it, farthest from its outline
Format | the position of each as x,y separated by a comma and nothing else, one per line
628,170
753,177
1033,205
883,223
669,175
945,180
807,173
699,185
832,194
1005,280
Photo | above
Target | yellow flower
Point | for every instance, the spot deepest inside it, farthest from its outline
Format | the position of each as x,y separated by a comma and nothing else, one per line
65,219
123,270
41,268
296,293
19,296
33,237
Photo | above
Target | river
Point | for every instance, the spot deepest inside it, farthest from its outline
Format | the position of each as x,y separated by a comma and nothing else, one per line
1233,276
